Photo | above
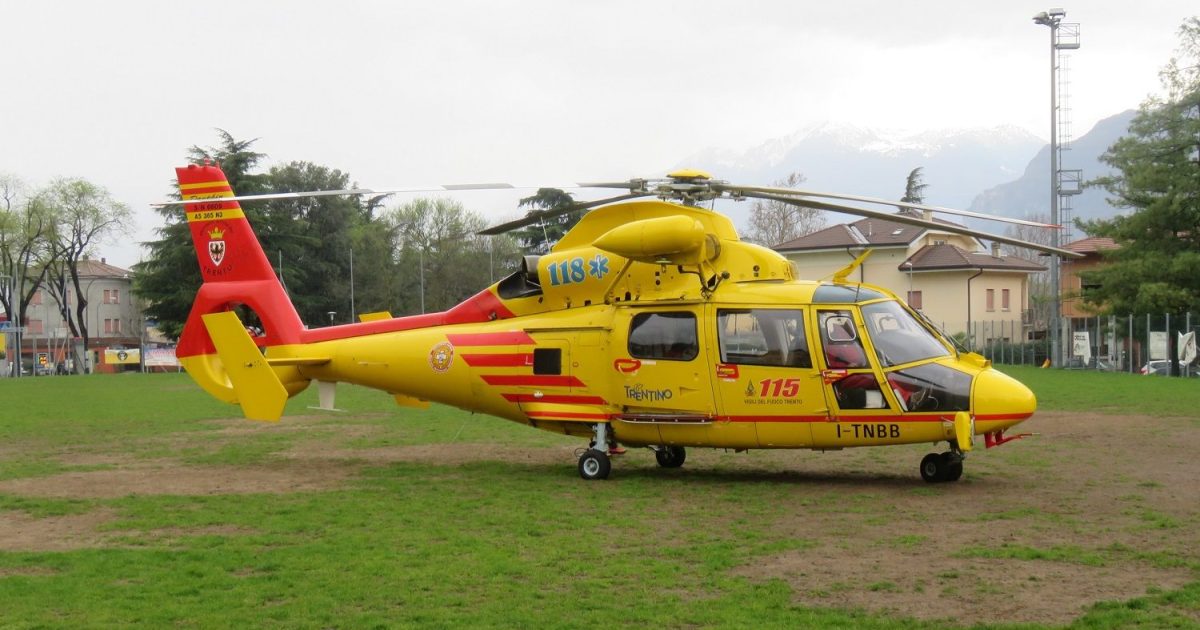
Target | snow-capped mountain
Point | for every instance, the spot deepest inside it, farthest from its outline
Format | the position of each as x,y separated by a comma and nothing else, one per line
1029,195
838,157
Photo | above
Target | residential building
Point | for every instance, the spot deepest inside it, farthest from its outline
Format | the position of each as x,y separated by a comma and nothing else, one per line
112,317
951,278
1072,285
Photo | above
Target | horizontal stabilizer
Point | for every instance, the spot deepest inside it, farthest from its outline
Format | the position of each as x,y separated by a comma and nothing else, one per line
374,317
285,361
255,384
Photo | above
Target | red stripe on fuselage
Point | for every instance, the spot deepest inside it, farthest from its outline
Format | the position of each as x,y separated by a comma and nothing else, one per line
554,398
499,360
532,380
511,338
569,414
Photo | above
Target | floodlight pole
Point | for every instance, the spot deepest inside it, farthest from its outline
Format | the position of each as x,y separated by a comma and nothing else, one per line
1052,19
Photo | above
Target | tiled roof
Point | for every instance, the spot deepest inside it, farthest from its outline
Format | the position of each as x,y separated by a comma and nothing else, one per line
101,269
946,256
1091,245
868,231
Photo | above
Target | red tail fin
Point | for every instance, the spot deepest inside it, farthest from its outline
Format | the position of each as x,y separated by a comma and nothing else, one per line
225,246
235,268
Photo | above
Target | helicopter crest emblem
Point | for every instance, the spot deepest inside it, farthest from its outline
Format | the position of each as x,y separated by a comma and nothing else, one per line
441,356
216,245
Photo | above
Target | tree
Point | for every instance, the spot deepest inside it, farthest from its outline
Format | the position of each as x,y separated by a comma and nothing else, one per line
914,187
774,222
541,236
1157,175
1041,293
24,246
442,258
168,279
82,216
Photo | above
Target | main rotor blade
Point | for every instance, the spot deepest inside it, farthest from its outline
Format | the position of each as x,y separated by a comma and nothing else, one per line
876,200
348,192
537,217
910,220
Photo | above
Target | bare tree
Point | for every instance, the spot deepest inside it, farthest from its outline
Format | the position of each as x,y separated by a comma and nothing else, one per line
775,222
24,247
1041,293
83,216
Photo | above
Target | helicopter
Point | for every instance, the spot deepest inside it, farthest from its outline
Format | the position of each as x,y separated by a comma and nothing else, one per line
650,323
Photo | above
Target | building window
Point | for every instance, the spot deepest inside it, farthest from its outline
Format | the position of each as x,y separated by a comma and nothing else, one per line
112,326
37,298
991,299
1004,299
914,300
35,326
111,296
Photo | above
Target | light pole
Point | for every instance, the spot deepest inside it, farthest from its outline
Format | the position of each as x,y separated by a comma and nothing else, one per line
1053,19
908,265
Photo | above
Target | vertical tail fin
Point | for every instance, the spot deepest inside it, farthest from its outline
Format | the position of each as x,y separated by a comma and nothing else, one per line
236,272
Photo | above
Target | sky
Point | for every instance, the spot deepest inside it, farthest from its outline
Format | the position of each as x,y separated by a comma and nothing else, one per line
529,92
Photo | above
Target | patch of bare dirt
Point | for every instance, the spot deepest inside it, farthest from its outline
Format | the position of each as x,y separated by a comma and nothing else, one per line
437,454
181,480
1093,491
926,586
21,532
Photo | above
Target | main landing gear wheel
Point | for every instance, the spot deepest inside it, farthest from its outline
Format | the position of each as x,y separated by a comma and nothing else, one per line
594,464
938,467
670,456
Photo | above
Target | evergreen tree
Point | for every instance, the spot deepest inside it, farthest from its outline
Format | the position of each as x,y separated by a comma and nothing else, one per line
1157,176
169,277
914,187
541,236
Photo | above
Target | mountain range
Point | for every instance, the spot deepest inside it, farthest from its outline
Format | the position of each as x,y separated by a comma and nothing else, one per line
1002,170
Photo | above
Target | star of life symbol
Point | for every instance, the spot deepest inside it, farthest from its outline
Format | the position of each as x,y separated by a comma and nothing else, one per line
598,267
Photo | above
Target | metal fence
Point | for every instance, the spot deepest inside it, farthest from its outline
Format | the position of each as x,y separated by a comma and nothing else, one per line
1117,343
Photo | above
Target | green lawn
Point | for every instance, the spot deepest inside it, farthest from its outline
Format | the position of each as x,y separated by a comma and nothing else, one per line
417,541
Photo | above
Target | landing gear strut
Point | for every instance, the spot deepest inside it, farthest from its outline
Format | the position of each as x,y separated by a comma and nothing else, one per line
594,463
938,467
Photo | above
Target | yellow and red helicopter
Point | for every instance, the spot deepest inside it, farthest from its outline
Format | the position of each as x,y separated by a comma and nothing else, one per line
649,324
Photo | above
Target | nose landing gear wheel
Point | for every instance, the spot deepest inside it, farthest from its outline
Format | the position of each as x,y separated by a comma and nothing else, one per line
938,467
594,464
670,456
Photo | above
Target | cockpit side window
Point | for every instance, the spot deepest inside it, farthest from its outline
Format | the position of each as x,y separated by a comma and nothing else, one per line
843,348
761,336
897,337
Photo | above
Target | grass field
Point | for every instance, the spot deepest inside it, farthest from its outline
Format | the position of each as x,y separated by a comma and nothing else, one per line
138,500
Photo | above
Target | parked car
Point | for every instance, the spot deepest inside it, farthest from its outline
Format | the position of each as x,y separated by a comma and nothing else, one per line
1161,368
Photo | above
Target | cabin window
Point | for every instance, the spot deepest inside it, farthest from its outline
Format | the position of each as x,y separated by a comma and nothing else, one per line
670,336
773,337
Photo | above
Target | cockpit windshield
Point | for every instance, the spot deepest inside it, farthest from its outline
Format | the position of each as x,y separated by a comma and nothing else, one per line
898,337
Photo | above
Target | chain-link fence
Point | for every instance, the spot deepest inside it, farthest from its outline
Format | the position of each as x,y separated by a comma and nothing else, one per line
1142,344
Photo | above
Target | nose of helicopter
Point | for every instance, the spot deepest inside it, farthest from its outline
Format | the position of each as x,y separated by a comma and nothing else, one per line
1000,401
